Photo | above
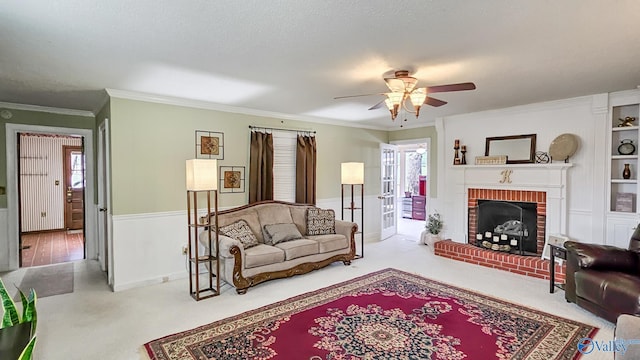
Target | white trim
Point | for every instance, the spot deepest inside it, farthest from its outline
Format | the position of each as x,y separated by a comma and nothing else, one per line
52,110
10,260
541,106
156,280
102,103
201,104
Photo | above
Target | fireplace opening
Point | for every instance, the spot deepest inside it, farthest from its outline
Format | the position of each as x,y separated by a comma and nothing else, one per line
508,226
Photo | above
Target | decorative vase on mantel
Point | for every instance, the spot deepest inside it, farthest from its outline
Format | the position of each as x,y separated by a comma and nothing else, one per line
626,172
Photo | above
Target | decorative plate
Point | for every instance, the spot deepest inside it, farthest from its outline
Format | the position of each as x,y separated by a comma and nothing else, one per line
563,147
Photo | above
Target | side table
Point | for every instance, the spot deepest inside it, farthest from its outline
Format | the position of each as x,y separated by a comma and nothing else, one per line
557,251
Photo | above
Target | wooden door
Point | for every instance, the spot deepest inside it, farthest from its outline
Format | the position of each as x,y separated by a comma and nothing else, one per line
74,182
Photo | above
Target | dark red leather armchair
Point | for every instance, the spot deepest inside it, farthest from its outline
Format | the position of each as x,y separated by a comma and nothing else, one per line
604,279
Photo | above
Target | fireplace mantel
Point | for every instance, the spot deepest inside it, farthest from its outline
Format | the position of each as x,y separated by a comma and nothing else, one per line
549,178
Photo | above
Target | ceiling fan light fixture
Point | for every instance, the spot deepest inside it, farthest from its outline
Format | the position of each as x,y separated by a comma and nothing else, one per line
417,97
409,83
393,108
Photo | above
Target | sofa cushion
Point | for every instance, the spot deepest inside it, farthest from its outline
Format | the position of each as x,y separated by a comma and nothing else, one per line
248,215
274,214
320,221
330,242
298,248
262,255
240,231
277,233
299,216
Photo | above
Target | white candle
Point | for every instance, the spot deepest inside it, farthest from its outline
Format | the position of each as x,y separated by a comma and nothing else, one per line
487,234
495,239
514,242
503,237
478,236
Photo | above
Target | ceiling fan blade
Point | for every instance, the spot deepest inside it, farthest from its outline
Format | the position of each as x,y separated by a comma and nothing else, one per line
352,96
377,106
451,87
434,102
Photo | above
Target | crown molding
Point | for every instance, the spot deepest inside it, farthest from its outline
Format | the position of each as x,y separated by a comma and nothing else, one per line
102,104
47,109
206,105
540,106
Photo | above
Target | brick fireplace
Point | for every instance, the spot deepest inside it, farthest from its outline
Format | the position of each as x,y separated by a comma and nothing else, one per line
537,197
541,184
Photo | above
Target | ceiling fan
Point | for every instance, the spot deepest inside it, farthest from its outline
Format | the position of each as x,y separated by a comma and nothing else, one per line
403,88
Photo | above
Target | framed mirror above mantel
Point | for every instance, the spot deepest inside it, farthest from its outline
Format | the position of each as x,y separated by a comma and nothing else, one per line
519,149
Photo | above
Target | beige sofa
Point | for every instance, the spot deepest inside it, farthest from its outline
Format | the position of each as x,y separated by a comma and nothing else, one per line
273,250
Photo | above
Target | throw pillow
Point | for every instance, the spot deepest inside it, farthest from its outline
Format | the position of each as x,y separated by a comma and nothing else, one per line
240,231
321,222
278,233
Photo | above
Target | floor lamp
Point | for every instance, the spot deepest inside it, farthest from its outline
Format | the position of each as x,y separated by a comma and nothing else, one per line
351,175
202,177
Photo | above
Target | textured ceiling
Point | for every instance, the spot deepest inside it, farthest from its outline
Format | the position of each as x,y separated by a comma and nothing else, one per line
293,57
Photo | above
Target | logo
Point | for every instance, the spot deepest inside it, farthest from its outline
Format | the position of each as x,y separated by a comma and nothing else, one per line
585,345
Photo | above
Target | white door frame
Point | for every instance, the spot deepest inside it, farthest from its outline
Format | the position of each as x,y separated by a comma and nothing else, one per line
427,142
9,259
104,223
388,231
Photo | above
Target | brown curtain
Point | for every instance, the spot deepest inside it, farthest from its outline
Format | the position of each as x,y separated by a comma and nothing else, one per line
306,170
261,167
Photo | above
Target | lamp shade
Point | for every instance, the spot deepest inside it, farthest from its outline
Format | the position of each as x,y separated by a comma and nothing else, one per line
202,174
352,173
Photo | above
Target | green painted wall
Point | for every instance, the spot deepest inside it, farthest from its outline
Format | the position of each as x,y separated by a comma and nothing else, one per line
35,118
418,134
150,143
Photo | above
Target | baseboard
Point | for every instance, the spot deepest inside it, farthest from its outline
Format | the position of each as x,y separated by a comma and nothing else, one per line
151,281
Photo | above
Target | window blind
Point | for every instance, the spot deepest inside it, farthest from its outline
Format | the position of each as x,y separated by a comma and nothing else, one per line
284,165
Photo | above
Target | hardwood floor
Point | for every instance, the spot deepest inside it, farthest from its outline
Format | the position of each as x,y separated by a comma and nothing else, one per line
52,247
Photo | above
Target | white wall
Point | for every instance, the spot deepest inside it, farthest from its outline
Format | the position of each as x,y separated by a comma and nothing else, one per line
586,117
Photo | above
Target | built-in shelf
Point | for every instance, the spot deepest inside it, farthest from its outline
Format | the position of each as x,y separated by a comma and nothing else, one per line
624,181
624,157
557,165
624,128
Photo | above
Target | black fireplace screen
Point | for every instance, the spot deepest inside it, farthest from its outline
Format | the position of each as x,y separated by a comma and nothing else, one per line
508,226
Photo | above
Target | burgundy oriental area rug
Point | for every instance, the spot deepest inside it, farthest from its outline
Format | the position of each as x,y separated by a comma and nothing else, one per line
389,314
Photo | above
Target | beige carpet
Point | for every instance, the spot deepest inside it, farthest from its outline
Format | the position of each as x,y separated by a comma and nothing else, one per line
48,280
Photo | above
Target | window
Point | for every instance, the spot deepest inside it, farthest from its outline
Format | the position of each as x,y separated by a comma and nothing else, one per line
284,165
77,170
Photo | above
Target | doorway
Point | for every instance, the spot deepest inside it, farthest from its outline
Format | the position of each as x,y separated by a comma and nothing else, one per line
10,259
51,169
413,186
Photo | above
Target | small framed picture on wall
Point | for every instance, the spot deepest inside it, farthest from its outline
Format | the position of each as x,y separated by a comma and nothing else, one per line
209,145
232,179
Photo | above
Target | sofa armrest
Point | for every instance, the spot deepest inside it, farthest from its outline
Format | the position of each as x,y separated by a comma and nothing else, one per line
346,228
225,244
603,257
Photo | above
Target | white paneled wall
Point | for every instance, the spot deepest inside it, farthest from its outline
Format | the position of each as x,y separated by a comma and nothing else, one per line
41,165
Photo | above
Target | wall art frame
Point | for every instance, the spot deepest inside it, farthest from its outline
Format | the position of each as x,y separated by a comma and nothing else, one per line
209,145
232,179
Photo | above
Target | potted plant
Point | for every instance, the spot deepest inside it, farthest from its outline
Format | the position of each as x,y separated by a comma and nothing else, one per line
433,227
17,333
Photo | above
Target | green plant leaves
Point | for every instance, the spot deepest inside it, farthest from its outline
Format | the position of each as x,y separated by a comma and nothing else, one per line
28,350
10,317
